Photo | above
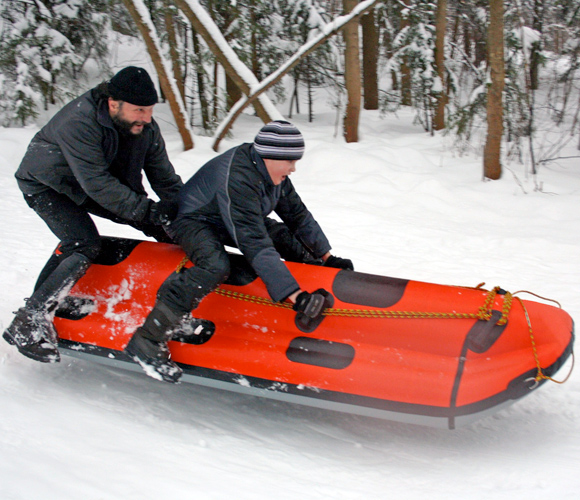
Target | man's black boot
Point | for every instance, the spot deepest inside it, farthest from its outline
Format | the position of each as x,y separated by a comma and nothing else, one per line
32,331
148,345
33,334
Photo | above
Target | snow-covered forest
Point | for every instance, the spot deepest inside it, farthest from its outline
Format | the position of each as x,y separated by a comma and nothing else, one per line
434,57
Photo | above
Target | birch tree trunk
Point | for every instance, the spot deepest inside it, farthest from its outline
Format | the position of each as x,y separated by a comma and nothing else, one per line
492,152
142,19
352,75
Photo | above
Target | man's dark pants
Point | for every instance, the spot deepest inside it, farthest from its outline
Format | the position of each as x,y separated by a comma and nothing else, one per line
74,227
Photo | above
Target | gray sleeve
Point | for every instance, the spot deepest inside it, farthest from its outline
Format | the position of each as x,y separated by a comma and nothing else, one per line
274,273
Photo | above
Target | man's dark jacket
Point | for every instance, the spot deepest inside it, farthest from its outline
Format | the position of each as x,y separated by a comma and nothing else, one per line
77,154
234,192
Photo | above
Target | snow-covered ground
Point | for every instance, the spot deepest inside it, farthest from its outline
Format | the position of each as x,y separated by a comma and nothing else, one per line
398,203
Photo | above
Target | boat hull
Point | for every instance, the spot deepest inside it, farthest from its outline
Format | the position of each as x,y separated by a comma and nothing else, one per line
390,348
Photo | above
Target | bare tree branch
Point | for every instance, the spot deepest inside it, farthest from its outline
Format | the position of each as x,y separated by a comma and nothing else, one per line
234,67
327,31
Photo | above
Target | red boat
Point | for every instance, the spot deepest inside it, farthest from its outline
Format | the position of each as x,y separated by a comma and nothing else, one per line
390,348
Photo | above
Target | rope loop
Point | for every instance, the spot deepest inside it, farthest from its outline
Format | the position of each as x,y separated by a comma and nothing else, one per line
540,375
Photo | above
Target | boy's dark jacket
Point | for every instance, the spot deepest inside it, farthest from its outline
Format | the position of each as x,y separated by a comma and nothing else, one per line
235,193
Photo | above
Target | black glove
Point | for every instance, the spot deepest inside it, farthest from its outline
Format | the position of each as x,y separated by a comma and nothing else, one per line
310,304
162,213
340,263
313,304
310,307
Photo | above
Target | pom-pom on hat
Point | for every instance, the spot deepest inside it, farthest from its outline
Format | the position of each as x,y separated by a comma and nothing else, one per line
133,85
279,140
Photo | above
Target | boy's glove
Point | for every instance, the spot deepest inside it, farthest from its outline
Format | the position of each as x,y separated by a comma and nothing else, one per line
310,304
339,262
310,307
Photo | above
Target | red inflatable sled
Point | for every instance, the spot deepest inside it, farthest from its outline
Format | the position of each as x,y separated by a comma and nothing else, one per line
389,348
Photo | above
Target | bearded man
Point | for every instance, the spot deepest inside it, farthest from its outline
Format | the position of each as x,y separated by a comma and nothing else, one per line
88,160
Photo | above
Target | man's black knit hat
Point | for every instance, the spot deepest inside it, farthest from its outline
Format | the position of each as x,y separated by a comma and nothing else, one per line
133,85
279,140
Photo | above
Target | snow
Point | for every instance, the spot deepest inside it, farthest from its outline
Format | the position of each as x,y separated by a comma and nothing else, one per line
398,203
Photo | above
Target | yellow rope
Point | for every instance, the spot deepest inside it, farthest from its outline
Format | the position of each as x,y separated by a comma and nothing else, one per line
541,375
539,297
181,265
484,313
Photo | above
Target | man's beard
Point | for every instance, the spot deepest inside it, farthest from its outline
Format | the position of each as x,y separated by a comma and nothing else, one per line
125,126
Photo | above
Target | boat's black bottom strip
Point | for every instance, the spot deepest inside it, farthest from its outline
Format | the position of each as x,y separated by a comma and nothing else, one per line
434,416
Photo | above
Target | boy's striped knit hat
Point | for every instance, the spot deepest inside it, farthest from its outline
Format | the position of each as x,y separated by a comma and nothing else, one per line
279,140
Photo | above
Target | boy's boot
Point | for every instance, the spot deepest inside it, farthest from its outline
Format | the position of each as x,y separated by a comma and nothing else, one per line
148,345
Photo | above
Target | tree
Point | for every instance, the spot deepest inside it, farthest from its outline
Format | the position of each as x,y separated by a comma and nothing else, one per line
352,75
536,55
495,41
370,47
440,90
300,21
43,49
406,99
326,32
169,16
228,18
197,59
413,53
142,19
226,56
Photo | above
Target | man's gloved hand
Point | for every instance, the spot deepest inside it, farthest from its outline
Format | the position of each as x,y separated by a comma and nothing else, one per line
340,263
162,213
312,304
